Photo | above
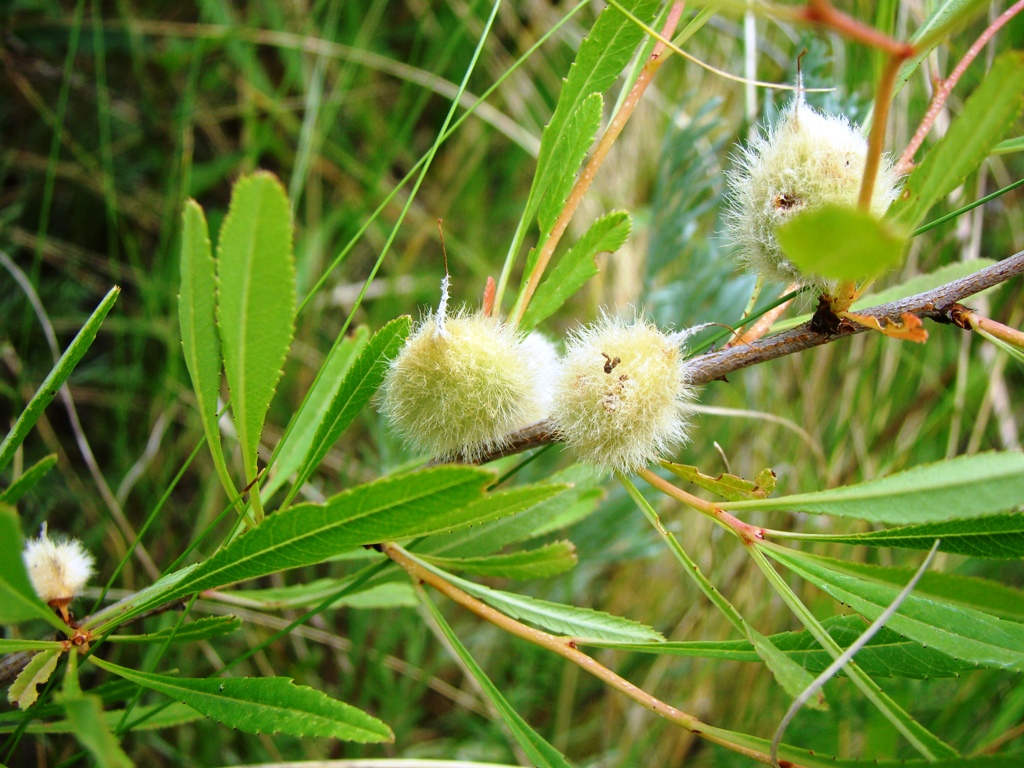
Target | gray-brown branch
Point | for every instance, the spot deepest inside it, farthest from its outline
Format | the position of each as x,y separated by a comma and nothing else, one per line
939,305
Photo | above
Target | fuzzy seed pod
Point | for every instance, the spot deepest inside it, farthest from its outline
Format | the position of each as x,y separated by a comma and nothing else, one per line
461,385
807,160
621,396
58,570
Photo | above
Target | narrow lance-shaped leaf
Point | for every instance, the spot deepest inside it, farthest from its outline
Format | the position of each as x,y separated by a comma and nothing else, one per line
23,691
580,132
987,114
18,600
999,537
85,716
728,487
255,302
361,381
28,480
203,629
564,619
197,321
888,654
961,632
295,445
551,559
541,754
393,508
602,55
964,487
55,379
577,266
263,705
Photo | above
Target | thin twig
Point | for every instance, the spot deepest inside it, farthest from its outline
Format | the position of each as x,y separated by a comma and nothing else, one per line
938,305
566,647
945,87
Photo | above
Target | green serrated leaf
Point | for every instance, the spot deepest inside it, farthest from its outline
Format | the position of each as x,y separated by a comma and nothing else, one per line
18,600
360,384
137,603
389,595
263,705
998,537
566,620
887,654
986,116
23,691
542,518
840,243
85,716
577,266
549,560
728,487
197,311
964,487
793,678
540,753
201,629
296,443
255,302
602,56
566,158
397,507
55,379
956,630
28,479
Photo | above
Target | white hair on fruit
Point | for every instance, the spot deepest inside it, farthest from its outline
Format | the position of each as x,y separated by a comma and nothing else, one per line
621,398
807,160
58,570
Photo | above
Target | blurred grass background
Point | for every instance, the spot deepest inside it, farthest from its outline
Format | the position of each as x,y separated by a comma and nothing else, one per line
112,114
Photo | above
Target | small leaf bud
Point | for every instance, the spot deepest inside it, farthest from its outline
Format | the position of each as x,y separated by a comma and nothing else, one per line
807,160
621,396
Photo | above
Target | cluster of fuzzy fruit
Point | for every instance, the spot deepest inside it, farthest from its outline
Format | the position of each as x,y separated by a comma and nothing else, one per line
462,384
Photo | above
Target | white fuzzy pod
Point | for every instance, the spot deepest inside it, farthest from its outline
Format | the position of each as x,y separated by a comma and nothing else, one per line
807,160
627,414
458,392
58,570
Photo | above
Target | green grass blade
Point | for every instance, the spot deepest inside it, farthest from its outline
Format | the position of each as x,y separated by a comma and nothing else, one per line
549,560
998,536
987,114
13,493
55,379
263,705
255,302
568,620
361,382
18,600
197,322
541,754
956,630
298,438
607,234
964,487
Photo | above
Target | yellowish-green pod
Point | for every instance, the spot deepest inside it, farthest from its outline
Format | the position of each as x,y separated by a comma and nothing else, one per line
621,395
807,160
460,386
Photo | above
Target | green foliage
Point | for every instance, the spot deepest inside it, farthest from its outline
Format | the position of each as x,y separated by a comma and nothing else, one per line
18,601
23,691
85,716
263,705
985,119
727,486
255,302
861,246
202,629
964,487
549,560
28,480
